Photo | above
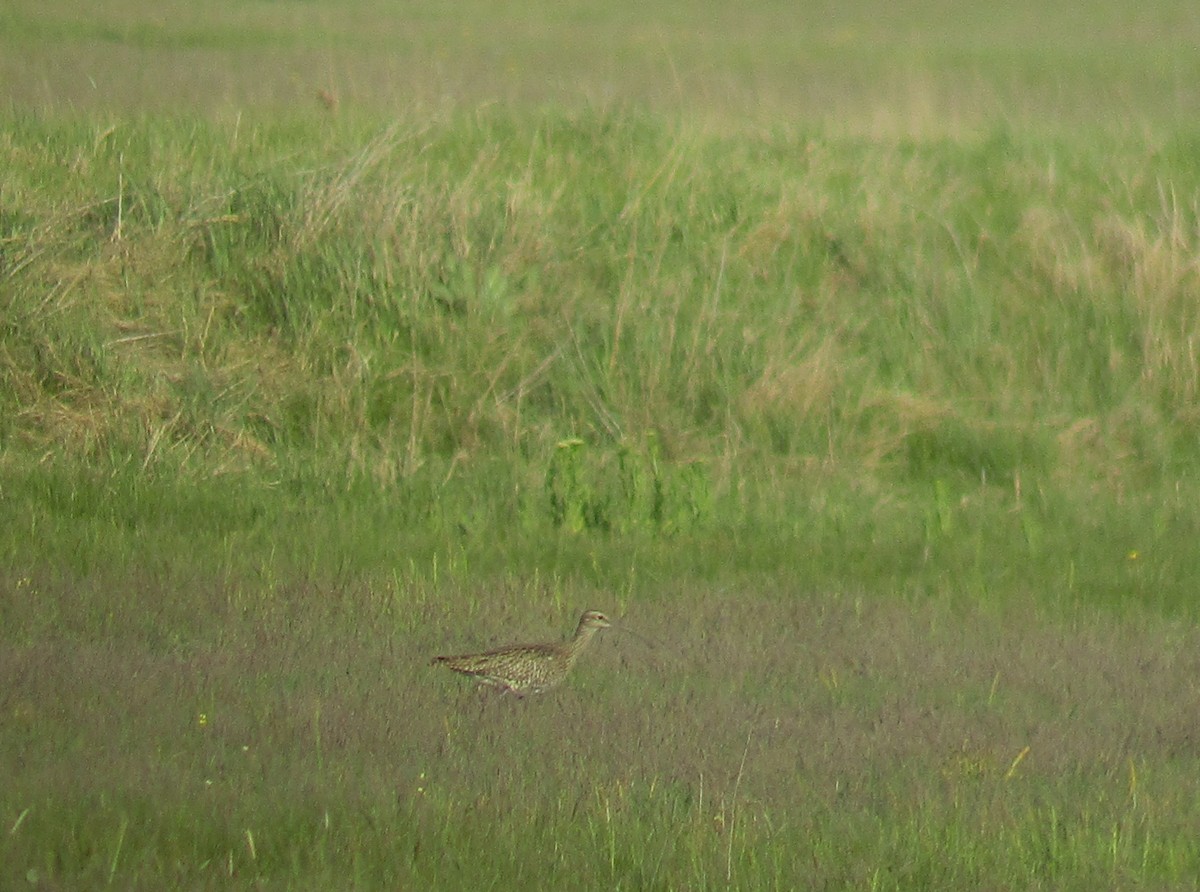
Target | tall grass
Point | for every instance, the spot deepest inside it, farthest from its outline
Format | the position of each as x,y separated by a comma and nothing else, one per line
454,290
598,322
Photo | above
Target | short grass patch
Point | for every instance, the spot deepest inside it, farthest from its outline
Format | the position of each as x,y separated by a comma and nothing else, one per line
766,740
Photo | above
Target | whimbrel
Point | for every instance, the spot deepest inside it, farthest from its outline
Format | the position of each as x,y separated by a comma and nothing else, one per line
529,668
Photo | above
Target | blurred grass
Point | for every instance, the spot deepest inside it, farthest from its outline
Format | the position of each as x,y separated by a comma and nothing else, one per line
848,353
927,69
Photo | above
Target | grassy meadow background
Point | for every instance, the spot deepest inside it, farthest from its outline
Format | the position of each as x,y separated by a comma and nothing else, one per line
846,353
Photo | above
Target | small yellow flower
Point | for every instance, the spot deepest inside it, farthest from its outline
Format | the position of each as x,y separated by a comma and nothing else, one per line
202,719
1133,555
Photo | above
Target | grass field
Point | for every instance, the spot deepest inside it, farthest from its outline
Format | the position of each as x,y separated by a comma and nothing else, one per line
861,67
848,355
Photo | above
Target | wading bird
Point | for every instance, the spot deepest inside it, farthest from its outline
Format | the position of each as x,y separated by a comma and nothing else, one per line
528,668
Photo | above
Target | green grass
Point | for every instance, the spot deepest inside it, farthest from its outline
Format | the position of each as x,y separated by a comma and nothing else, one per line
848,355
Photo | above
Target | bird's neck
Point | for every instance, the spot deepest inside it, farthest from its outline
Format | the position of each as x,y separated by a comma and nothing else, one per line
582,636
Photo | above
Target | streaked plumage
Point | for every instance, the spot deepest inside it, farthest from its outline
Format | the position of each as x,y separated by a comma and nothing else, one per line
528,668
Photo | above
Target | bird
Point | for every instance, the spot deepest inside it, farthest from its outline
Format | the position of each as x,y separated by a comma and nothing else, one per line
523,669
